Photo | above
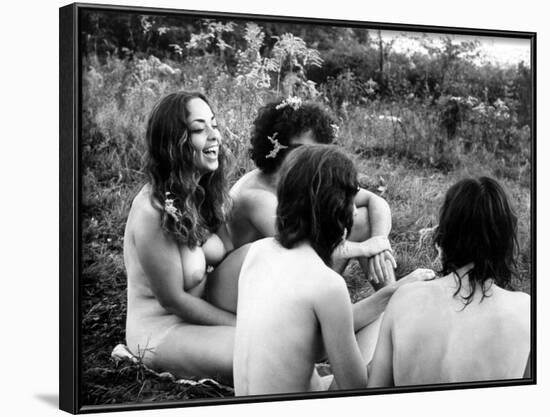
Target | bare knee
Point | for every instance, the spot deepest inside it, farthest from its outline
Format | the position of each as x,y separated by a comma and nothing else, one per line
197,351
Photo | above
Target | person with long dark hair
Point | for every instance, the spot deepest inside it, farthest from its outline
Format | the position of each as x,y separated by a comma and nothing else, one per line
293,307
468,325
175,234
280,127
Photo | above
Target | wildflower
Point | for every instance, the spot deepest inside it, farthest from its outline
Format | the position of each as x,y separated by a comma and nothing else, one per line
177,49
472,101
276,146
372,84
166,69
499,104
393,119
335,129
294,102
382,188
426,236
170,209
480,108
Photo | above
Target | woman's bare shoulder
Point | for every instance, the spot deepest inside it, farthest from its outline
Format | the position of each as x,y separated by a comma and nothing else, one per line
143,202
322,280
249,184
143,214
419,289
515,302
254,199
416,295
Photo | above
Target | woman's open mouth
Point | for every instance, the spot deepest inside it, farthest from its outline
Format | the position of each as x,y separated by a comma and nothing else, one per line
211,152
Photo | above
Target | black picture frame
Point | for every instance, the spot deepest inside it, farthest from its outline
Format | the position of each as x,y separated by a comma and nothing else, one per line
70,183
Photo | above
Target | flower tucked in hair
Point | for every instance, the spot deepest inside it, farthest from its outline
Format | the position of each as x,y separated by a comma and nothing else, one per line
276,146
170,209
335,130
294,102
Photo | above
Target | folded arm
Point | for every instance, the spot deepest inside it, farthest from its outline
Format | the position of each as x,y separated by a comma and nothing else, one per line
161,260
380,265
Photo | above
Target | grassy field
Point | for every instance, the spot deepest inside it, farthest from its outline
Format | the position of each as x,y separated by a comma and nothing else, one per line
402,156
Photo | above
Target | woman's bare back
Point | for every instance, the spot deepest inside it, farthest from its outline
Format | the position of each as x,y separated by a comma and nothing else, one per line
437,339
277,335
254,203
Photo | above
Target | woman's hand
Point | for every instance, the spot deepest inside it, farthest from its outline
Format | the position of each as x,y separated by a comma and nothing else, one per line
420,274
381,268
166,266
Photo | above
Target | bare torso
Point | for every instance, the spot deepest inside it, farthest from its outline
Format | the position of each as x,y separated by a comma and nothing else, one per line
147,322
436,340
254,208
277,337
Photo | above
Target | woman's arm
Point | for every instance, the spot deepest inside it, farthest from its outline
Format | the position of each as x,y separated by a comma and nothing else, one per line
333,310
223,234
366,249
379,221
368,309
381,366
161,261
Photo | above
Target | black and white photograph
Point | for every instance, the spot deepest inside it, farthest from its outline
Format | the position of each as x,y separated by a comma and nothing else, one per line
270,208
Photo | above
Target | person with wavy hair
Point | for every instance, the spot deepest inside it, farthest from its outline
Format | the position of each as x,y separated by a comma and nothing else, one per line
175,234
280,127
293,307
466,326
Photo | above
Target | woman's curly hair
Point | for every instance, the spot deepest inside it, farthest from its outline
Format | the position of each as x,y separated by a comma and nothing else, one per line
316,191
199,201
287,122
477,225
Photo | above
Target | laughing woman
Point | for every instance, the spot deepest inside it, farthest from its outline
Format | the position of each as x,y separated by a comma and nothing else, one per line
174,235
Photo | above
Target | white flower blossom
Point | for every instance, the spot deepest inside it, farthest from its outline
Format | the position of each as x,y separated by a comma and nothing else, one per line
393,119
170,209
335,129
276,146
294,102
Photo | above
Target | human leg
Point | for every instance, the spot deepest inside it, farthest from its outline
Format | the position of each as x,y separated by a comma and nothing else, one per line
222,284
196,351
360,231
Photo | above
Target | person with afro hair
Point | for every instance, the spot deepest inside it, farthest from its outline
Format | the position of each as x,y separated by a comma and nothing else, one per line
279,127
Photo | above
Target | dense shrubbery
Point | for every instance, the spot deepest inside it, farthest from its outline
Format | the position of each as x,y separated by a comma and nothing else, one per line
425,104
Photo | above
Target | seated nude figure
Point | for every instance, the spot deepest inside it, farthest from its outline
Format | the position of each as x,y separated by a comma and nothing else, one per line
280,127
465,326
293,307
171,241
